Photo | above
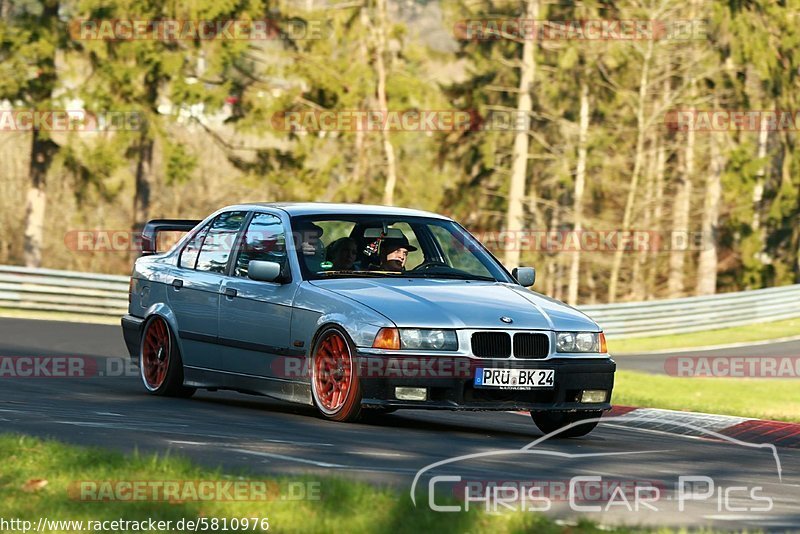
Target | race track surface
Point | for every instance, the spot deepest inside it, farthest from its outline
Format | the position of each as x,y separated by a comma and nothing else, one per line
655,363
261,437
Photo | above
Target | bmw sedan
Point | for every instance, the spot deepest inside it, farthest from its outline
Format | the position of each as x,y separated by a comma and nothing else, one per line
354,308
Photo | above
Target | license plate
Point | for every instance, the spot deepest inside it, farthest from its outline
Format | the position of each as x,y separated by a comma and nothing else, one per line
514,378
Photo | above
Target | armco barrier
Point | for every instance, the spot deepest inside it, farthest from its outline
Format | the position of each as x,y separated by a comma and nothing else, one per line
63,291
107,295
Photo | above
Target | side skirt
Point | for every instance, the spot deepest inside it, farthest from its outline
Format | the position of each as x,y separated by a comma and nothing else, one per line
276,388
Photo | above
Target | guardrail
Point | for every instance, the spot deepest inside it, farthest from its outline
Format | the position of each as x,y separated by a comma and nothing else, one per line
107,296
63,291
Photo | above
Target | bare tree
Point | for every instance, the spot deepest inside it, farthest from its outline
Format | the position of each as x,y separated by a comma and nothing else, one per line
638,161
379,31
515,216
707,265
580,184
680,217
42,152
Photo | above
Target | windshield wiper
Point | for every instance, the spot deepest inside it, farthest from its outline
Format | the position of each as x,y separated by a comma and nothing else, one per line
452,276
358,274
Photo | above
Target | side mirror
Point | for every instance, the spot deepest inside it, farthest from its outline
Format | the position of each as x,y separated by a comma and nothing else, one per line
526,276
263,271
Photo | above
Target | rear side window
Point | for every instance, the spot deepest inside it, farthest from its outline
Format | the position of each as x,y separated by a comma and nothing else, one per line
217,246
265,240
192,249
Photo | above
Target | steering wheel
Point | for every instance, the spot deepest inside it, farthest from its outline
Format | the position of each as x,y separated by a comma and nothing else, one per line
425,265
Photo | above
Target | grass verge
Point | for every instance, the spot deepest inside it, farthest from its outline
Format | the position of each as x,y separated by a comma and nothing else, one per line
738,334
765,398
342,504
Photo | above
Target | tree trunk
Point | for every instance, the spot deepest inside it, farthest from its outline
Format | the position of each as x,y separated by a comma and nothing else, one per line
661,168
637,170
43,149
380,68
42,153
707,264
552,282
638,290
515,216
591,284
680,227
144,180
577,205
758,188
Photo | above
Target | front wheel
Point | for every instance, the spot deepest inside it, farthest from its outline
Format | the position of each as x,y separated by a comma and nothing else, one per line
549,422
160,362
334,379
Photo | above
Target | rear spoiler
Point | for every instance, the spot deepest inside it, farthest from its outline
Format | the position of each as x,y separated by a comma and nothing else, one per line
152,228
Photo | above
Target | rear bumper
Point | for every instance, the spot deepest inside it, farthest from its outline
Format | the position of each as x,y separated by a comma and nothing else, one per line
132,332
452,386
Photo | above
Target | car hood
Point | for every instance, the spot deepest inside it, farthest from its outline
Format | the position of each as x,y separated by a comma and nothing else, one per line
428,303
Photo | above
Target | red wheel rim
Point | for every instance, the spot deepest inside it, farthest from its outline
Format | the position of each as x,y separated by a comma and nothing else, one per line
333,372
155,353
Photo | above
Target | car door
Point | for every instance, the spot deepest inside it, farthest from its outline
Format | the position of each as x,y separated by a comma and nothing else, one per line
195,289
255,316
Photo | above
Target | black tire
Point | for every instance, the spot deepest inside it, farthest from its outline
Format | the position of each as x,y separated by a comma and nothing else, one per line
160,364
332,348
549,422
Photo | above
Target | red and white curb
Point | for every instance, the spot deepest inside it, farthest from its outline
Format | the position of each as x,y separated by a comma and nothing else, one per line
778,433
705,425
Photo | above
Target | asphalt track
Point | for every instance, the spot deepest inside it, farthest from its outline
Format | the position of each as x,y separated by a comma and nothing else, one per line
655,363
263,437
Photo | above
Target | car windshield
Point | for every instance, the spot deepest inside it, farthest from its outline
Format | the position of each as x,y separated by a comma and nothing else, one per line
369,246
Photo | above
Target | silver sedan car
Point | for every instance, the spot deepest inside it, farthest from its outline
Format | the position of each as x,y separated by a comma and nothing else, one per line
354,308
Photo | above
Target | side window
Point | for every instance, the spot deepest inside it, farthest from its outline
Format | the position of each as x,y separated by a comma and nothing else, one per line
189,253
456,254
415,257
265,240
218,243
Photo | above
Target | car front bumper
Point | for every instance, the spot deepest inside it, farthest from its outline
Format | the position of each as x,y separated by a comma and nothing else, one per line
451,386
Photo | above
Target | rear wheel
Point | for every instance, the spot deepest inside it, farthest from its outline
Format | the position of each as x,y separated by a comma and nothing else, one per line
551,421
160,362
334,380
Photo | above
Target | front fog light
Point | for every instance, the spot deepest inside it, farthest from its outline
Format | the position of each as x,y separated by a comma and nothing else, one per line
589,396
411,394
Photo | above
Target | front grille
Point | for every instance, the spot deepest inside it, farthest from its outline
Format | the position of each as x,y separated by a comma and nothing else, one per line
531,345
491,344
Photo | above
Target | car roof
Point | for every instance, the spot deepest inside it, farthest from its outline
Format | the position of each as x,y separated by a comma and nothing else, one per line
331,208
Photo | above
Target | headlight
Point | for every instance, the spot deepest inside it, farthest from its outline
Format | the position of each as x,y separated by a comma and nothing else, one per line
419,339
580,342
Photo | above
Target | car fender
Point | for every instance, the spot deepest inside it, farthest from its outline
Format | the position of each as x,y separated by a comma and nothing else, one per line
162,309
316,307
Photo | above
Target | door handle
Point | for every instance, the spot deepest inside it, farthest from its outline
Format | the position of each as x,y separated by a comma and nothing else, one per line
177,283
230,292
